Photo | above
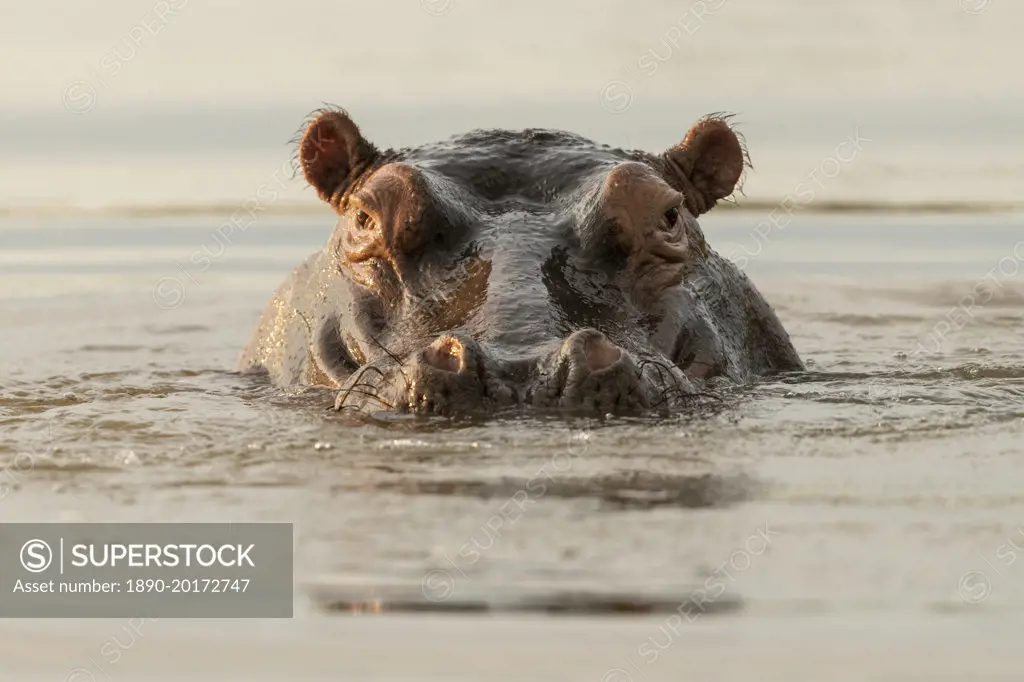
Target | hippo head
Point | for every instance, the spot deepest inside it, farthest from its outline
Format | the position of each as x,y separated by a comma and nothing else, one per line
500,269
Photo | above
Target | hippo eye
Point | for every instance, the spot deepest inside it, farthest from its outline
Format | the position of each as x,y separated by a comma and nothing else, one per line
363,220
671,216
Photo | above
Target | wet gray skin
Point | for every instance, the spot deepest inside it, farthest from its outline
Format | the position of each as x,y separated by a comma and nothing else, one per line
532,269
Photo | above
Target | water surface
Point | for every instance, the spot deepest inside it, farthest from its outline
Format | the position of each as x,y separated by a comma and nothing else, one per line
877,490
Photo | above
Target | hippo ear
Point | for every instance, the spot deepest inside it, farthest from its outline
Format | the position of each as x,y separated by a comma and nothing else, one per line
334,154
707,164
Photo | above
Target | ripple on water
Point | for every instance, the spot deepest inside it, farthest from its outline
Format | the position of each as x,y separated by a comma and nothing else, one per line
114,348
162,330
436,593
629,490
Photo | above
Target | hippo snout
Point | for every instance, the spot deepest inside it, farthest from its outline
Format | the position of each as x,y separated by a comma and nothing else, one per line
454,374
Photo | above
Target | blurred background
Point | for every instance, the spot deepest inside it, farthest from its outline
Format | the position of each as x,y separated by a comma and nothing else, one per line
191,103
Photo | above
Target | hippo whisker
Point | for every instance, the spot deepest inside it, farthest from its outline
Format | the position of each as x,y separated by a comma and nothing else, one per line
673,389
370,393
670,394
639,383
365,369
673,393
398,362
661,370
345,392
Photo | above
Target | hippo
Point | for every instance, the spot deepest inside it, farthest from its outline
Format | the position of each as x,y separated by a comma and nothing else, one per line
510,270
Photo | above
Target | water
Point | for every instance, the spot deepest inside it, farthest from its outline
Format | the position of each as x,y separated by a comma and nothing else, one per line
845,504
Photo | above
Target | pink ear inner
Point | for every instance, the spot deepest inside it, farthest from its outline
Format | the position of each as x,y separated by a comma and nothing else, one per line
333,153
325,158
707,163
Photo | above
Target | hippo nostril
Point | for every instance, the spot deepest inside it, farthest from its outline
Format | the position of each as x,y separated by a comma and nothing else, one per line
591,371
446,354
601,353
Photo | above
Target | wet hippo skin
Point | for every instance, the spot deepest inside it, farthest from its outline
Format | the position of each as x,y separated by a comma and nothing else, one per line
529,269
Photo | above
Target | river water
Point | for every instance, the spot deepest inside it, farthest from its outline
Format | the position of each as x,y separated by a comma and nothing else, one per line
875,496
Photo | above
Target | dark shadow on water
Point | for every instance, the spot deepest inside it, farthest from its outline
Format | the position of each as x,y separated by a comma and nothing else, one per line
369,598
622,491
